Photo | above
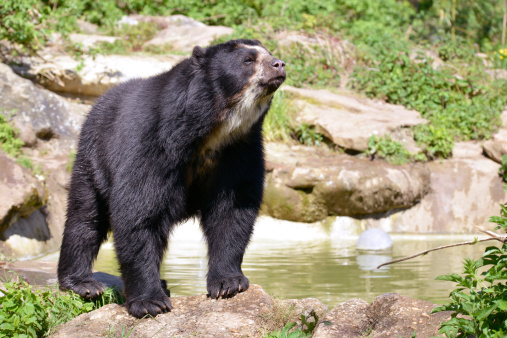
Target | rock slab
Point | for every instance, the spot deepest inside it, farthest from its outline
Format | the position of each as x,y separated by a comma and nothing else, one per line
348,121
309,184
241,316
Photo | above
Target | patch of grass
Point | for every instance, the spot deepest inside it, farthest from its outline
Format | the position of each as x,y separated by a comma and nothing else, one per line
28,311
131,38
9,143
307,135
277,123
385,147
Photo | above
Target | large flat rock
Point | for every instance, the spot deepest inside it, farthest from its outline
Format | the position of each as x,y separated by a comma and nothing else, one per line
248,314
93,76
348,121
308,184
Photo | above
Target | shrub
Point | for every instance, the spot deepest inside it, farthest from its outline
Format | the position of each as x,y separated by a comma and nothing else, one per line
480,297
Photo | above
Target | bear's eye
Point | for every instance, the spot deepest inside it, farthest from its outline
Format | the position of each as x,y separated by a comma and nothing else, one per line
249,60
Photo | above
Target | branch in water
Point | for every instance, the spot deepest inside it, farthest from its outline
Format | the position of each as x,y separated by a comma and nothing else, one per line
493,237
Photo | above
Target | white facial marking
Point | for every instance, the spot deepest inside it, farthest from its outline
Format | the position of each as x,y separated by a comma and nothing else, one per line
243,115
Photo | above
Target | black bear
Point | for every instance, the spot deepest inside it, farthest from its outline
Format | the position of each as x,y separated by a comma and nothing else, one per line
153,152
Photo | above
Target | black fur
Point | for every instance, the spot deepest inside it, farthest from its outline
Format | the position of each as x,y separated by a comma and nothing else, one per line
143,165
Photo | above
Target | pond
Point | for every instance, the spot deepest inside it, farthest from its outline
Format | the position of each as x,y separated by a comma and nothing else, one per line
294,262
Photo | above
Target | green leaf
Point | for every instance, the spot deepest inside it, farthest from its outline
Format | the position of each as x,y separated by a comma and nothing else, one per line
453,277
486,312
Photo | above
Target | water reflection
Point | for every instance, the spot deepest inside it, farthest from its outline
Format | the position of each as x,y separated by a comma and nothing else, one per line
330,270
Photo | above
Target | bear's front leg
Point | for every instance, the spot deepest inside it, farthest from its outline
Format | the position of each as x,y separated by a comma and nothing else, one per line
227,230
140,250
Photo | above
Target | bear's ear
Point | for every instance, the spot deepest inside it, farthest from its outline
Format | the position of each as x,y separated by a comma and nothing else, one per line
255,40
197,55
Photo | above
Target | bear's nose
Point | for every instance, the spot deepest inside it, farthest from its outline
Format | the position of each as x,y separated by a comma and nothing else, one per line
277,63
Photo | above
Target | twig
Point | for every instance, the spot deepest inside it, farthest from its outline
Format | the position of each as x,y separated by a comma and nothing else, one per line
493,237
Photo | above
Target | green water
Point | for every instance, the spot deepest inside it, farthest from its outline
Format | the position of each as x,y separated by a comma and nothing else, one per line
330,270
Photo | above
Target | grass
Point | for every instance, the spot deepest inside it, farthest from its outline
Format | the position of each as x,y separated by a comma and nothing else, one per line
29,311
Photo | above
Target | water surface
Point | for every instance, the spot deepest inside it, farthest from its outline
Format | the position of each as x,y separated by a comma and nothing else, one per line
296,263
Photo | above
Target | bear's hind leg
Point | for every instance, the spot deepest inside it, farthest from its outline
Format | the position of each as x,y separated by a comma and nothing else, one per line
86,229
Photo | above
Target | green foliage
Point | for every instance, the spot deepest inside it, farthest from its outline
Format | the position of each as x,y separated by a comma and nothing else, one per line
132,38
307,135
436,141
291,331
276,125
30,312
393,151
9,143
480,296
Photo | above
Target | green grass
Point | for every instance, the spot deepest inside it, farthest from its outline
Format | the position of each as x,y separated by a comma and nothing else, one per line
29,311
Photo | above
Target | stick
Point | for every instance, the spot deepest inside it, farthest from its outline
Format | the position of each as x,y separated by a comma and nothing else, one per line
493,237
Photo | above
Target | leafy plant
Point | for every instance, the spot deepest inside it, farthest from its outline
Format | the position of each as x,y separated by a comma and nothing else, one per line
307,135
503,171
479,301
276,125
393,151
9,143
27,311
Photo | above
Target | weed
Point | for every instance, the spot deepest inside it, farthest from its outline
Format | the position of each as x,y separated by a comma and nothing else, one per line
29,311
9,143
385,147
276,125
480,299
307,135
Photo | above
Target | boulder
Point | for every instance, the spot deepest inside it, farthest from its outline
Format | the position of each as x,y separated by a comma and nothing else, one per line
496,147
348,121
308,184
245,315
464,191
88,41
37,111
22,194
91,76
389,315
22,197
183,33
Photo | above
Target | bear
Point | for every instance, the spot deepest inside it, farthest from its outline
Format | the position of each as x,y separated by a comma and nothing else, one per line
154,152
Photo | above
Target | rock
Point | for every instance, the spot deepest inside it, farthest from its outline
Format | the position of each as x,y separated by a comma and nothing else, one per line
497,74
162,22
347,319
184,34
496,147
22,194
389,315
308,184
241,316
347,121
89,40
92,76
464,192
36,110
87,27
374,239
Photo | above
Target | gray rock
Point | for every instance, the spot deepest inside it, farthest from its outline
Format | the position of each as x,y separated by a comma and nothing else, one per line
244,315
496,147
374,239
308,184
184,36
348,121
22,194
389,315
92,76
36,110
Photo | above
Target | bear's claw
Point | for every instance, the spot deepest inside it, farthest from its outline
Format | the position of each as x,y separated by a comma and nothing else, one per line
153,306
227,287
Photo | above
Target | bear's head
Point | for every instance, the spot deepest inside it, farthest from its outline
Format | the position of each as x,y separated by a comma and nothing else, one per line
244,75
